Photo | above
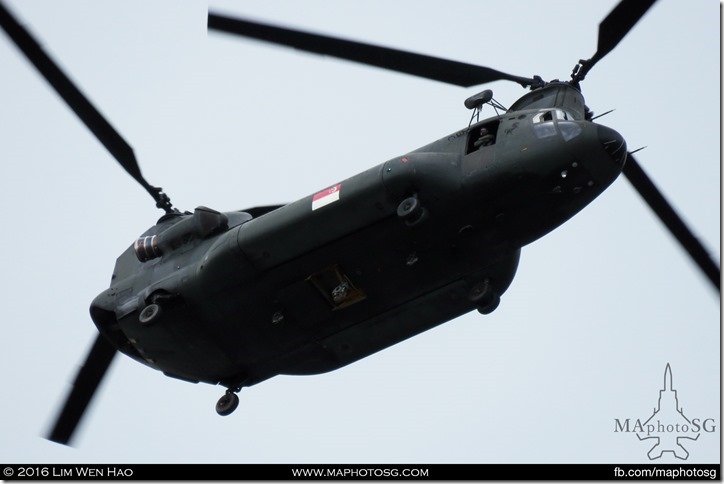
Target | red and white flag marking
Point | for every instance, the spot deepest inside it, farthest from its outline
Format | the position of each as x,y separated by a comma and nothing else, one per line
325,197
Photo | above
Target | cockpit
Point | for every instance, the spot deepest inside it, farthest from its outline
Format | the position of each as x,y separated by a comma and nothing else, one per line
554,95
553,121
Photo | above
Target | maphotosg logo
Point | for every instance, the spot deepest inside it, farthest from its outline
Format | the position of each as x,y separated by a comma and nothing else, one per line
668,428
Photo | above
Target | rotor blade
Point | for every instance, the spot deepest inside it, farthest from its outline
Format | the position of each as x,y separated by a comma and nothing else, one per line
618,23
612,29
443,70
86,383
646,188
82,107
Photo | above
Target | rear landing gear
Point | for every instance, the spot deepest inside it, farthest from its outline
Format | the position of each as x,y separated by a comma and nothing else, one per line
491,306
227,403
484,297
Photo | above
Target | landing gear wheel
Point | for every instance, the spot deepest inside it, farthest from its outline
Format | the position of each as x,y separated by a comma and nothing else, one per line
491,306
150,314
411,211
484,297
227,403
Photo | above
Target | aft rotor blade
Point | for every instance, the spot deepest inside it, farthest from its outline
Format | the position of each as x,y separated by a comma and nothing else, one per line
645,186
84,387
443,70
612,29
82,107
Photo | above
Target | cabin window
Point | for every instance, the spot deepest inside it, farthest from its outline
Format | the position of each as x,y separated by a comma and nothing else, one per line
482,136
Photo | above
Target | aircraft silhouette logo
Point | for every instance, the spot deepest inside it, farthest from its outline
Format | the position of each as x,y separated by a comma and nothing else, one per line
669,422
667,427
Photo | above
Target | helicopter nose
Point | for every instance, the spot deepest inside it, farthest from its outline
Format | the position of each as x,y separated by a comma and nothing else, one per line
613,143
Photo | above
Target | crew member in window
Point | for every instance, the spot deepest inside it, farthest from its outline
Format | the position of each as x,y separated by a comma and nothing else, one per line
485,139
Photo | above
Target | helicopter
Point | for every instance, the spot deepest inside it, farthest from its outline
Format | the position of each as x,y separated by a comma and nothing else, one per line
202,220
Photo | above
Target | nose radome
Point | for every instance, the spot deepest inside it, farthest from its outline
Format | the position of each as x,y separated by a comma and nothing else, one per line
613,143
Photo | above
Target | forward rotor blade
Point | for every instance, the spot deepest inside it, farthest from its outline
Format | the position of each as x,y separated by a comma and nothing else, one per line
646,188
443,70
86,383
82,107
612,29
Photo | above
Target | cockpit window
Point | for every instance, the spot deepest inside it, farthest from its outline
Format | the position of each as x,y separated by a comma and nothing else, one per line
543,117
561,115
544,127
544,130
547,116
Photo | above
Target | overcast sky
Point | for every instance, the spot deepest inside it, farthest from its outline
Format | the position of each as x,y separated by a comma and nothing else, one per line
581,338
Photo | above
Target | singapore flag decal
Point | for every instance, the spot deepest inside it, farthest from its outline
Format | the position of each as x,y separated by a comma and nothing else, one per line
325,197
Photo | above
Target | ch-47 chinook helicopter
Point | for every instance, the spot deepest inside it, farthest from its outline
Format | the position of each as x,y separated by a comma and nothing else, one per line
235,298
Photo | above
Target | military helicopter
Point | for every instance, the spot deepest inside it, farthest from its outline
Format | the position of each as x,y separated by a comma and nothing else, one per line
331,276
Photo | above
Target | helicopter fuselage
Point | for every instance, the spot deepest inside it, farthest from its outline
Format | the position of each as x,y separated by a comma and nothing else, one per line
314,285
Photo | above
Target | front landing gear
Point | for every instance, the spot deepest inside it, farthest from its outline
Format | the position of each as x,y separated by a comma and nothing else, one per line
227,403
150,314
411,211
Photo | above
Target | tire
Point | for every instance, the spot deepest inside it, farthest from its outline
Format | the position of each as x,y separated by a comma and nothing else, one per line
409,208
227,404
411,211
484,297
491,306
150,314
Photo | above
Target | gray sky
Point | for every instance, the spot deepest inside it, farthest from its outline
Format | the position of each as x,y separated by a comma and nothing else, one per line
582,337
